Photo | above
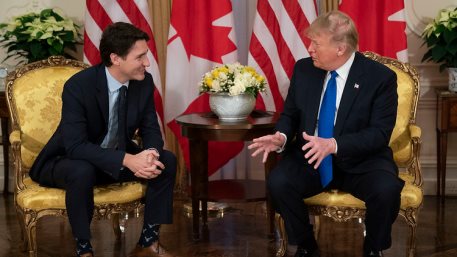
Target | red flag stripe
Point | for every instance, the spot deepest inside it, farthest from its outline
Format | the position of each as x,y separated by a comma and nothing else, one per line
91,50
137,19
267,14
298,18
98,13
258,52
278,38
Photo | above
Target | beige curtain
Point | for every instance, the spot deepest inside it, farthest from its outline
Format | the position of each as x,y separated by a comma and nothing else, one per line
160,11
328,5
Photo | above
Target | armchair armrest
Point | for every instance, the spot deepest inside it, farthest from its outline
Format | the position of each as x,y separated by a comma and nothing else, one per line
415,167
15,137
19,174
415,131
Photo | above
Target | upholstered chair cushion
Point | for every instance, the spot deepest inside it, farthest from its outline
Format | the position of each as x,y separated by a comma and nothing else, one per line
411,196
40,198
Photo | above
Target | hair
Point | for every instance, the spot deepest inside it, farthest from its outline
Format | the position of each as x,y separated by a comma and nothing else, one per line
339,25
119,38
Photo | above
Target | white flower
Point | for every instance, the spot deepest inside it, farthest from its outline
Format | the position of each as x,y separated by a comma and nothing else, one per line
233,79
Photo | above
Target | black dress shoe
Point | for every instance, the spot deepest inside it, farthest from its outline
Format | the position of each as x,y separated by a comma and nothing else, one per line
373,254
302,252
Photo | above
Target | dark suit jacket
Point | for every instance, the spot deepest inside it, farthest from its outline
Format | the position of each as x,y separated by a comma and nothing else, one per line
84,124
365,118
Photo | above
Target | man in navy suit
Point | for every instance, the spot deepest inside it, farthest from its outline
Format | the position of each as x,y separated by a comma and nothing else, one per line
88,147
362,116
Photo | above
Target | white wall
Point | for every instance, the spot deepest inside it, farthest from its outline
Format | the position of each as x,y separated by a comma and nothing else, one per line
418,12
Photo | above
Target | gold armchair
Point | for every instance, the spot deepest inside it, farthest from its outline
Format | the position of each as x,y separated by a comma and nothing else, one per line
405,143
34,101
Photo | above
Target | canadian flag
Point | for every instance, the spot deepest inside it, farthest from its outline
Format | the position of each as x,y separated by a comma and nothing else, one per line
201,36
381,26
101,13
277,42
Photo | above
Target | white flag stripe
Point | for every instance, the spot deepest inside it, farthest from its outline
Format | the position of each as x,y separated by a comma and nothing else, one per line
92,30
288,31
267,96
309,9
144,9
278,60
268,43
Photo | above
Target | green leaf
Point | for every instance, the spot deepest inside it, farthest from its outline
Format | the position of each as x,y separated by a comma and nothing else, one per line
438,52
449,35
35,48
56,45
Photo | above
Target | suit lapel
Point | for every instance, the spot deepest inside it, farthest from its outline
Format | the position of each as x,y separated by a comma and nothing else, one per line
133,94
314,98
102,93
354,84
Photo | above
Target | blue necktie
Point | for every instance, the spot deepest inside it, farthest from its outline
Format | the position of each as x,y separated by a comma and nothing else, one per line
325,126
122,118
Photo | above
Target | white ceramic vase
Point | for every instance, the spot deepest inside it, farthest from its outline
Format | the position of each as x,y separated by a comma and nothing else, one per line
231,108
452,79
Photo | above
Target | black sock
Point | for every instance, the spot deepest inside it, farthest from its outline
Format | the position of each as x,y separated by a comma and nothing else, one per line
149,234
83,246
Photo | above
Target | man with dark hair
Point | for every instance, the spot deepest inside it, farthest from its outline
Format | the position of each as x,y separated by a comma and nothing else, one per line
334,132
93,142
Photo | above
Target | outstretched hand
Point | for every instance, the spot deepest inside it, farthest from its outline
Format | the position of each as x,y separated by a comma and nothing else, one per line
266,144
318,148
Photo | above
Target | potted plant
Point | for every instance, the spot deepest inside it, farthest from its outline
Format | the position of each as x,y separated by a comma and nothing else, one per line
36,36
232,90
440,35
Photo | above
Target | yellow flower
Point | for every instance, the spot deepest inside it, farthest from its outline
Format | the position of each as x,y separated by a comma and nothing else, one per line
233,79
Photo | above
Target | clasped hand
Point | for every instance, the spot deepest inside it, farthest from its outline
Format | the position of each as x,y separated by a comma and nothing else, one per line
145,164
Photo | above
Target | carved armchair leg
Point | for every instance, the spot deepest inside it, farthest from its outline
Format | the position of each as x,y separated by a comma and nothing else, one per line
412,242
317,226
282,236
20,220
30,230
116,225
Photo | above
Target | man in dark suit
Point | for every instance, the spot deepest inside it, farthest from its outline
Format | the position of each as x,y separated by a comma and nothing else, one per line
93,142
338,143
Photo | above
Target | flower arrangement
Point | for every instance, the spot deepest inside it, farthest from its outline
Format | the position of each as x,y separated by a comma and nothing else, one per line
440,35
36,36
233,79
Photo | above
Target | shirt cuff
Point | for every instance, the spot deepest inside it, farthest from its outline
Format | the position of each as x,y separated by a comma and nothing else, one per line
281,149
336,145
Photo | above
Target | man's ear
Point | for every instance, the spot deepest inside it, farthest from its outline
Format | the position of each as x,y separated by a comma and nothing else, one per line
115,59
342,49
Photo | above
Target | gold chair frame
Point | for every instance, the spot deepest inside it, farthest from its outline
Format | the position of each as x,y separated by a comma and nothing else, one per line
28,217
410,171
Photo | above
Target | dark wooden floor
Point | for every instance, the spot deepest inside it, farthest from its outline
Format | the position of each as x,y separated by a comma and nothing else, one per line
241,232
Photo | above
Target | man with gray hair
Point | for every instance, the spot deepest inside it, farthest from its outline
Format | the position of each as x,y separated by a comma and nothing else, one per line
334,132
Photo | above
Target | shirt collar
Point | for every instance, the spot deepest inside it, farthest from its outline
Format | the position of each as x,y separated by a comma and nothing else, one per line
343,71
113,84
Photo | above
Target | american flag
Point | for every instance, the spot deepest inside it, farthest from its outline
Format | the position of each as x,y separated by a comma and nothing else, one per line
101,13
277,42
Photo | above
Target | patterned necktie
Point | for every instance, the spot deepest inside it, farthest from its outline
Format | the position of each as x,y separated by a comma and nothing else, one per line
122,118
325,126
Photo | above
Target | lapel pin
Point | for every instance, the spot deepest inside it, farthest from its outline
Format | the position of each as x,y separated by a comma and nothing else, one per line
356,86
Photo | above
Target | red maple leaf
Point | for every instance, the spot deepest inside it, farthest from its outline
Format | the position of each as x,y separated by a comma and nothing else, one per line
193,20
376,32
